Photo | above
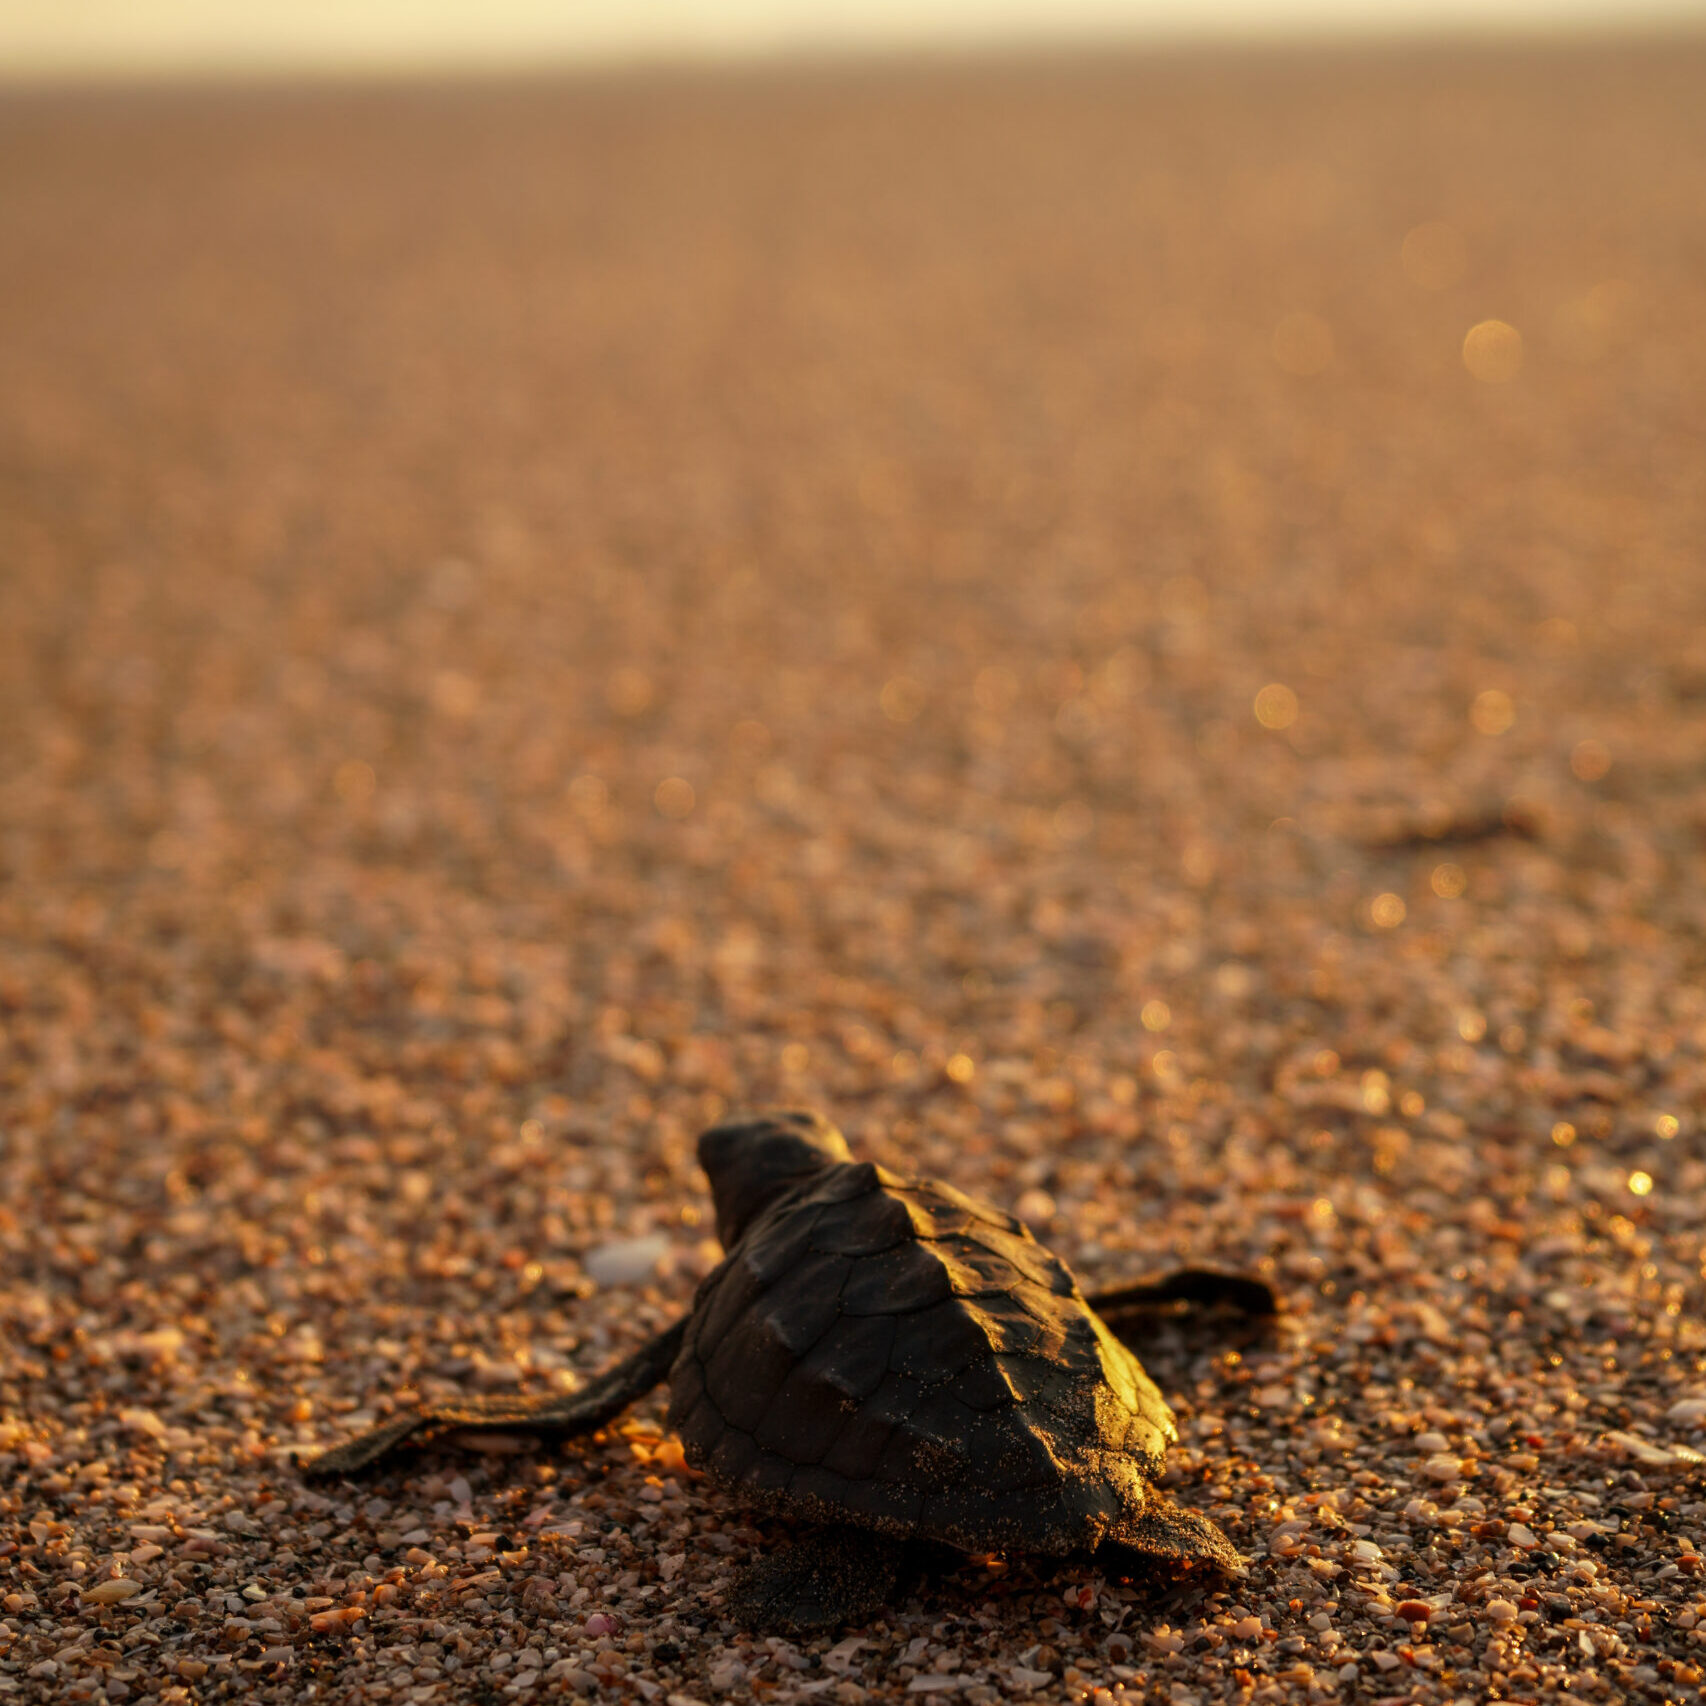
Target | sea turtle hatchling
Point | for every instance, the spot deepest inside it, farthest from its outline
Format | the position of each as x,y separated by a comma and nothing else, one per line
899,1360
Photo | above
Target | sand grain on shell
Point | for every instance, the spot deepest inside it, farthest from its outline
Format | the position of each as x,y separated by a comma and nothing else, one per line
531,616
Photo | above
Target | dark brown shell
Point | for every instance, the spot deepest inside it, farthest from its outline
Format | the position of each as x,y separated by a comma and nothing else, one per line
892,1353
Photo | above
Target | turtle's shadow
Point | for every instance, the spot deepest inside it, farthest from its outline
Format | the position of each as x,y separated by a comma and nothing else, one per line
928,1581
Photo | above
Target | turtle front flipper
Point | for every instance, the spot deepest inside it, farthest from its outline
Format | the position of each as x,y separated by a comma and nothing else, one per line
553,1415
1203,1288
844,1575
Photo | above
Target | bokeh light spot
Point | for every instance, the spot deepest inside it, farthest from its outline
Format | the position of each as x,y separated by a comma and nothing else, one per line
750,739
1276,706
1589,760
1492,351
1448,881
1388,911
1156,1015
1492,712
1376,1092
1640,1184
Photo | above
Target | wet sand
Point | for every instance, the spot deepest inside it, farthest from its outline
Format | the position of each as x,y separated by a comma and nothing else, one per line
1010,605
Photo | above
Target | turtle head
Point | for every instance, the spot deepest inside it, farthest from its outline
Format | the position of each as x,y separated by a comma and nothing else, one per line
753,1158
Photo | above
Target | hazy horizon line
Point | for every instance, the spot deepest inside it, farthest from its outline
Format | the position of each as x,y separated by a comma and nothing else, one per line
525,40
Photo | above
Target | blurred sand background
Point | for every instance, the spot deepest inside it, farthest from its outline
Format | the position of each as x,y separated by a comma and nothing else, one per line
1134,630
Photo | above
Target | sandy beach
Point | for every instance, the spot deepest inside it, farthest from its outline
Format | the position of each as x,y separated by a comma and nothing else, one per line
1132,631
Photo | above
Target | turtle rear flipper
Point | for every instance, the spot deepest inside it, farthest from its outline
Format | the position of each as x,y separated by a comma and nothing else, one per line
1166,1536
551,1415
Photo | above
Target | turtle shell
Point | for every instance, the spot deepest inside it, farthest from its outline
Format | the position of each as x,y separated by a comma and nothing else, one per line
892,1353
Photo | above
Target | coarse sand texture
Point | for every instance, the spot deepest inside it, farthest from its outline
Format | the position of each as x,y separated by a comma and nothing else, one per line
1135,631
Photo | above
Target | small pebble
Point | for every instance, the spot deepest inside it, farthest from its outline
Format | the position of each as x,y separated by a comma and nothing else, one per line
111,1592
626,1262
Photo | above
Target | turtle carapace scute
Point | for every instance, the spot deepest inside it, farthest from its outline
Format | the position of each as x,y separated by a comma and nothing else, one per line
900,1361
